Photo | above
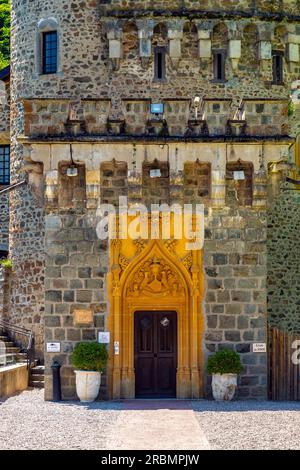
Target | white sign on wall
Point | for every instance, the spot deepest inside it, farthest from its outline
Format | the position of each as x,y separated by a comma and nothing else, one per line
53,347
155,173
104,337
238,175
259,347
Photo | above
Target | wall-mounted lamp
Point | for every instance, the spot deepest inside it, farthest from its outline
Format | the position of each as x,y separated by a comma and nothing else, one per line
72,170
196,104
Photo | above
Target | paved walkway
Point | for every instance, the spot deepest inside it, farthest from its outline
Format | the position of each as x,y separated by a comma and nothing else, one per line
157,425
28,422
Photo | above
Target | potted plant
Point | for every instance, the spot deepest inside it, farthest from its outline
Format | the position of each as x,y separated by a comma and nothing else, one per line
89,360
6,263
224,366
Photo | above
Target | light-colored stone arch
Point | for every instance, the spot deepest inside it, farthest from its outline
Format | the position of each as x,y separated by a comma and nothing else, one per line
45,25
173,283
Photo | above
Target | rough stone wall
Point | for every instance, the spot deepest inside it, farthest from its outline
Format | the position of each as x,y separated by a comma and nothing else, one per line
156,190
197,182
235,299
77,264
269,6
283,261
86,48
4,220
4,140
4,108
51,118
235,302
234,265
4,292
113,182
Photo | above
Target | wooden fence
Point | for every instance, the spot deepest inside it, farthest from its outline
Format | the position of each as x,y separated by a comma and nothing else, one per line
284,372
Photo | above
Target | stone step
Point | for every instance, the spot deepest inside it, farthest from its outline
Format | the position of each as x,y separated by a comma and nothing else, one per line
36,384
4,338
37,378
38,370
21,355
13,350
7,344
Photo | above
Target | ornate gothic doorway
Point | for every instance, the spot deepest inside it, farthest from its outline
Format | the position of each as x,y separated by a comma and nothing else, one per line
155,354
156,277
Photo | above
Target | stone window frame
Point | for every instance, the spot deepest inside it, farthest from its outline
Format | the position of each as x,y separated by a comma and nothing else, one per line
46,26
163,50
278,53
224,54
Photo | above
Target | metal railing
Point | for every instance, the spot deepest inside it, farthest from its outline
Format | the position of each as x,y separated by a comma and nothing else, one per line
26,344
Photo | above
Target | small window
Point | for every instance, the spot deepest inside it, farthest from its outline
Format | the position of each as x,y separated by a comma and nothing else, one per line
219,66
50,52
277,68
159,63
4,165
3,254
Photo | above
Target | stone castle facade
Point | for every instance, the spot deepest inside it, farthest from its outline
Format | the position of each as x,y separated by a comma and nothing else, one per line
223,72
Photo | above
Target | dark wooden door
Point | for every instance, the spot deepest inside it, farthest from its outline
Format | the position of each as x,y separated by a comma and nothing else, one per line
155,354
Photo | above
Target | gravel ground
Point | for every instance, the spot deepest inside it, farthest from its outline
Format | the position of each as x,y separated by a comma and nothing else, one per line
250,425
27,422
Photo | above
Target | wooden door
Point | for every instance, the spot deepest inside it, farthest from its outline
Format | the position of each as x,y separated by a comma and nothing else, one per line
155,354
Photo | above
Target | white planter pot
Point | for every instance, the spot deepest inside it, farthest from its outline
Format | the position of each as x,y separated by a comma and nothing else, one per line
87,385
224,386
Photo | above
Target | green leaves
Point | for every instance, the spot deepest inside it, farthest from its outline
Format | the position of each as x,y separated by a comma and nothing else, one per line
224,361
6,263
90,357
4,33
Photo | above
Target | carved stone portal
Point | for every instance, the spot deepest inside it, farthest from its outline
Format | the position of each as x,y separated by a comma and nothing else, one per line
155,278
148,276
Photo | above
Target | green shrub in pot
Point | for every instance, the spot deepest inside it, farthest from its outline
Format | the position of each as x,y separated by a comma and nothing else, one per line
90,356
89,360
224,361
224,366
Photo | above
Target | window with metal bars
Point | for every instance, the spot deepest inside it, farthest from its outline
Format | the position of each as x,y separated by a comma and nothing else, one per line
50,52
4,165
277,68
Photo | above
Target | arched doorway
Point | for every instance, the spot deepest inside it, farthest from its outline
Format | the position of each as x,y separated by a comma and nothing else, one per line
155,276
155,354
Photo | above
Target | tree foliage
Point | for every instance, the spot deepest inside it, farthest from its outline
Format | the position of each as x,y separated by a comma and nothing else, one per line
4,33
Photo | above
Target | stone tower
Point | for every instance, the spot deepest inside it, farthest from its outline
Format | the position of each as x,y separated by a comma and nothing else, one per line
197,92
